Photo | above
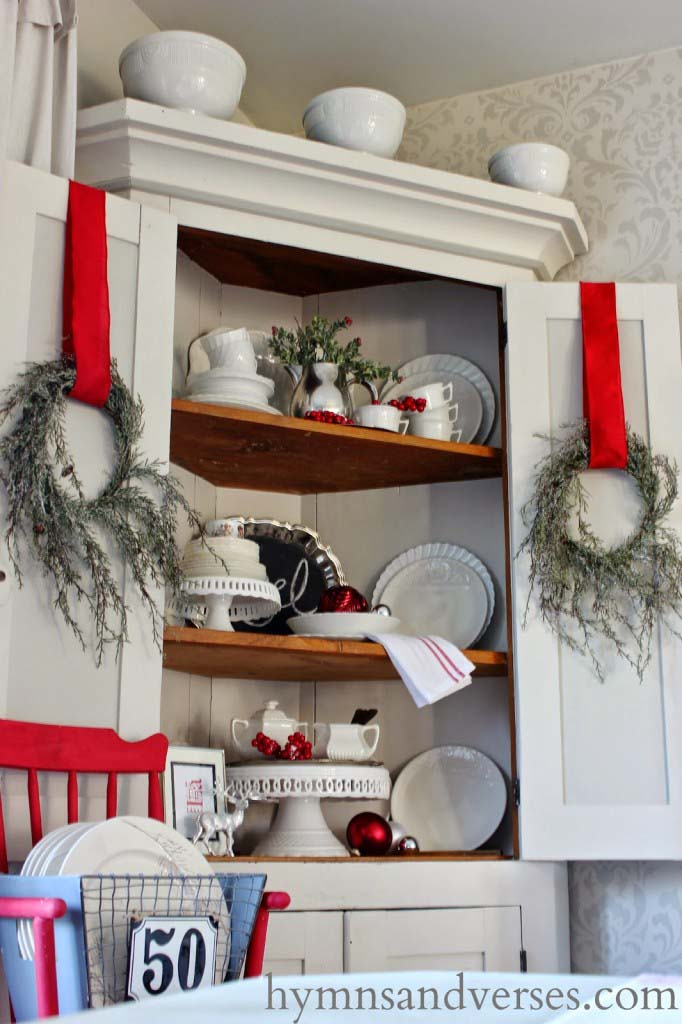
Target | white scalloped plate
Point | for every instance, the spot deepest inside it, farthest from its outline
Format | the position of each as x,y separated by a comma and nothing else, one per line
450,365
439,589
450,798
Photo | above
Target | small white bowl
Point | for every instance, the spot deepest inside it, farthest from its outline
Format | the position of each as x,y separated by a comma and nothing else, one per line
535,166
356,118
187,70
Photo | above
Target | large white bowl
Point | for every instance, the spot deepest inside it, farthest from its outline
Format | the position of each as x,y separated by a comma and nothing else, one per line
535,166
187,70
356,118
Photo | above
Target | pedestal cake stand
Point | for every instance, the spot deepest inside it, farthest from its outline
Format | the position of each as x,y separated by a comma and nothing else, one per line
233,599
299,828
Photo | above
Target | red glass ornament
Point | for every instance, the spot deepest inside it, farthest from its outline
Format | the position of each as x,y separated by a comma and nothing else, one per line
342,599
369,834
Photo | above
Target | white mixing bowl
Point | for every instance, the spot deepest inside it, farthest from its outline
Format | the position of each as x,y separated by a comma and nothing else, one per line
187,70
535,166
356,118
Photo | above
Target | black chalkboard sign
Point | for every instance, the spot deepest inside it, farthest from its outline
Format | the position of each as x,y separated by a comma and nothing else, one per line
298,564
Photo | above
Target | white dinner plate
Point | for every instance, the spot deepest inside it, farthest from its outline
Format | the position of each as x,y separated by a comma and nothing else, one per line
342,625
223,378
449,364
468,411
438,589
449,798
221,400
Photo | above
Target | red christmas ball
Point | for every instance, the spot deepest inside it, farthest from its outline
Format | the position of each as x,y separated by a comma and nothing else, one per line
342,599
369,834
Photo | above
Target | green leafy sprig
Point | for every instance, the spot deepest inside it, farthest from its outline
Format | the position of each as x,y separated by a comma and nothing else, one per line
317,342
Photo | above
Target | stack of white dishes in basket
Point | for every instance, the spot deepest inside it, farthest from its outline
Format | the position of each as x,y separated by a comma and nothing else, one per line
232,378
127,845
460,401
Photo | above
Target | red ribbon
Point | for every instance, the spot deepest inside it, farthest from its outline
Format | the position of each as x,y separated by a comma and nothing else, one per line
86,294
602,388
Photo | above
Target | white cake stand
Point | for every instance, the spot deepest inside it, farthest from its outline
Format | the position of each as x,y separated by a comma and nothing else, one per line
299,828
233,599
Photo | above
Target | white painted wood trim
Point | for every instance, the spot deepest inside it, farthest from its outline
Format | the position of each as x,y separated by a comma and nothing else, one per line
128,145
139,706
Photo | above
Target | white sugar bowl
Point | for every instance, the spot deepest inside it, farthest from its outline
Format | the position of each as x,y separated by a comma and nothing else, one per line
269,719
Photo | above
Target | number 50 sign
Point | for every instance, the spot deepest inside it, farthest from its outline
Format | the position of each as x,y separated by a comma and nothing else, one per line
171,954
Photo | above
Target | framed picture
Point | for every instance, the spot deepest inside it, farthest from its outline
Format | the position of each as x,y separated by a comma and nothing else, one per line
189,785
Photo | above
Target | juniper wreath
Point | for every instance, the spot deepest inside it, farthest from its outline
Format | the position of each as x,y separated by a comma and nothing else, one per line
66,532
585,589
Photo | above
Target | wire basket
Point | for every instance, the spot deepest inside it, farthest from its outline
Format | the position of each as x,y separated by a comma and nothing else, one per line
113,903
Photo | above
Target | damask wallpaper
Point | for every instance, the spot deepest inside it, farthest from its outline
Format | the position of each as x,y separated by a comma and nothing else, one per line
622,125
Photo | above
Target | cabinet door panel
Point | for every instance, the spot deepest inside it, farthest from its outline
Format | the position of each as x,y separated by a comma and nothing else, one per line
304,943
52,679
599,763
478,939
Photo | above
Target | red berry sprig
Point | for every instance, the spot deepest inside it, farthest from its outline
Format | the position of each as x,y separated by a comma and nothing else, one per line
408,404
266,746
297,747
324,416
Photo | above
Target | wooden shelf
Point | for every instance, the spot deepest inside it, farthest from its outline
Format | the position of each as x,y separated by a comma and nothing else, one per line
239,448
208,652
452,855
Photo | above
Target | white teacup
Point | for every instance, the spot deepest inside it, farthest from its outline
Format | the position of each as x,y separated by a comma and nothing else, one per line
435,428
442,414
341,742
384,417
435,395
230,350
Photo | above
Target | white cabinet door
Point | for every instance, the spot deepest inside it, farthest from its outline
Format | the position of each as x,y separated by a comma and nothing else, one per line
475,939
600,764
304,943
44,675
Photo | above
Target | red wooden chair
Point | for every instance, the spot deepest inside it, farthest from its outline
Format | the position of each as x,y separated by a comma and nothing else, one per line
33,747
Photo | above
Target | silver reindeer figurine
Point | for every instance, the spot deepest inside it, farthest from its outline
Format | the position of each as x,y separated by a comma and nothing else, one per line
212,825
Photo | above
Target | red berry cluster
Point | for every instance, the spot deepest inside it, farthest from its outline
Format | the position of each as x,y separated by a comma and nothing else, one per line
321,416
297,747
265,745
408,404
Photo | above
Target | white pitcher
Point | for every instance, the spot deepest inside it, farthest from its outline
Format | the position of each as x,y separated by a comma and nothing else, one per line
339,741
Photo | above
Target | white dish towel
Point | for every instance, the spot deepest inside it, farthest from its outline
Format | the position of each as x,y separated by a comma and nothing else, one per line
430,667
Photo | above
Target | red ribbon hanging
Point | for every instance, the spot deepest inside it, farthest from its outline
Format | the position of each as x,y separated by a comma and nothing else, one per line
86,319
602,388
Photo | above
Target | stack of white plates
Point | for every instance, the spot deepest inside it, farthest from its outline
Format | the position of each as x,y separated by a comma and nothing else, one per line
221,386
120,846
223,556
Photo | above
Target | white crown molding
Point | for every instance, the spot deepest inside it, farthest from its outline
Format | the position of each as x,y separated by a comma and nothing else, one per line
243,180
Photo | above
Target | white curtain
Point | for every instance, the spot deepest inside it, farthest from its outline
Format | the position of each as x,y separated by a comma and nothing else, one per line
38,83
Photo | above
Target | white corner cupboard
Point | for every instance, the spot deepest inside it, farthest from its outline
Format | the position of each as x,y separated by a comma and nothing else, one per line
272,229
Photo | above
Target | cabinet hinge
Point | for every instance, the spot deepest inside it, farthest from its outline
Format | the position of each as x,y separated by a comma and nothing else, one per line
523,961
516,790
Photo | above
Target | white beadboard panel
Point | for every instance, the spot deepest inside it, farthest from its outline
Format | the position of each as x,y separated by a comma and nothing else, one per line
598,796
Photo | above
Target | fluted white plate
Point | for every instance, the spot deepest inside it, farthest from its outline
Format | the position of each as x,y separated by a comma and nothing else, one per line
438,589
450,798
445,366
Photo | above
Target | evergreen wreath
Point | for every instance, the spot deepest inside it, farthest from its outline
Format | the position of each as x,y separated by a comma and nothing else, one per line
619,592
66,532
